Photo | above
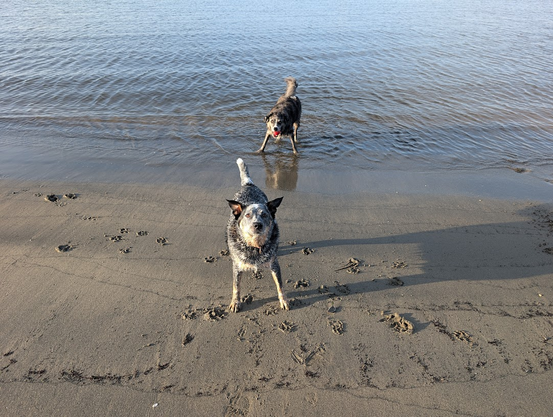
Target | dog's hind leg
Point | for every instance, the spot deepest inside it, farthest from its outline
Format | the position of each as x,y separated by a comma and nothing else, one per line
275,270
235,303
262,149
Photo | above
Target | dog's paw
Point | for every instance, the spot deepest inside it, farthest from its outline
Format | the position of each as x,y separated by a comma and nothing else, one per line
284,303
234,306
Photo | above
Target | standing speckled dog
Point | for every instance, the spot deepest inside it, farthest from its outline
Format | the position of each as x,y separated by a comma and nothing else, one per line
252,235
284,117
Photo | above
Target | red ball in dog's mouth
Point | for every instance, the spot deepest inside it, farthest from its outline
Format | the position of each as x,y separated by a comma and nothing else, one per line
275,134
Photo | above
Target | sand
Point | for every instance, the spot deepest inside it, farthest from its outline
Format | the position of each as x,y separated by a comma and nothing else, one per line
113,302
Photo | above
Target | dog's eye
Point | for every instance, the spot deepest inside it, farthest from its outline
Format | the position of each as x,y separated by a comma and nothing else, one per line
248,215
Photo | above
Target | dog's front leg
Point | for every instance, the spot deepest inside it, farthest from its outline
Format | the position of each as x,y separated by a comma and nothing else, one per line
236,277
262,149
294,138
293,141
275,270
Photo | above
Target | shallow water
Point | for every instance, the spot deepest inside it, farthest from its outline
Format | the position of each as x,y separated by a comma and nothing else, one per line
147,89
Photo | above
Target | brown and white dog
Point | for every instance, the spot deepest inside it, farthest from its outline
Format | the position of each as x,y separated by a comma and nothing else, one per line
284,117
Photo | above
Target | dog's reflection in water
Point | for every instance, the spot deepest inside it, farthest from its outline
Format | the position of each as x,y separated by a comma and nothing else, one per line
282,173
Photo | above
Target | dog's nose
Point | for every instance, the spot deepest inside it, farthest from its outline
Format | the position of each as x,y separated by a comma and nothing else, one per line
258,226
275,128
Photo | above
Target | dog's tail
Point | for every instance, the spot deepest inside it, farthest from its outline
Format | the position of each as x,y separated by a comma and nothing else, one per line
244,174
291,87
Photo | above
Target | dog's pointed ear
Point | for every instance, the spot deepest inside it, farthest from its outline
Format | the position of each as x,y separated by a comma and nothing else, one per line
272,205
268,117
236,208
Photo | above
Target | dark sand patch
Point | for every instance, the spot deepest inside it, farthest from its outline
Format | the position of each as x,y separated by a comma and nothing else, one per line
51,197
302,283
396,282
64,248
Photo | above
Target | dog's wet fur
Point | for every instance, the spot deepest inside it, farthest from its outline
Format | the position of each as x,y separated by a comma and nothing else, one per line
284,117
253,235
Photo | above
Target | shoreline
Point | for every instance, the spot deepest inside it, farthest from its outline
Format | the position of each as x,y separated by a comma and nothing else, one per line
123,321
286,172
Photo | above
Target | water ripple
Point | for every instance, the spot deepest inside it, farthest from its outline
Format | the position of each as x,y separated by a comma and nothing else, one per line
441,86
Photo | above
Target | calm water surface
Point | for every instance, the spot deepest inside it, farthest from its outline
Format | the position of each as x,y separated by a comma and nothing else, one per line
146,88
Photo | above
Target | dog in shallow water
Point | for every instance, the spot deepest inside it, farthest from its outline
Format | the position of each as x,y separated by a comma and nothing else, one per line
284,117
252,235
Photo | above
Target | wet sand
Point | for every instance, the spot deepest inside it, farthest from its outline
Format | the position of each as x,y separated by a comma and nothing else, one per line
114,303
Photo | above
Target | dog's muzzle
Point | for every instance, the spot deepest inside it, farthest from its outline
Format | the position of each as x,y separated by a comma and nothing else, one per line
258,227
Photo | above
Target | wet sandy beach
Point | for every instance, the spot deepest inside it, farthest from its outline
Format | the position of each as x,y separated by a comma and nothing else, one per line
114,302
